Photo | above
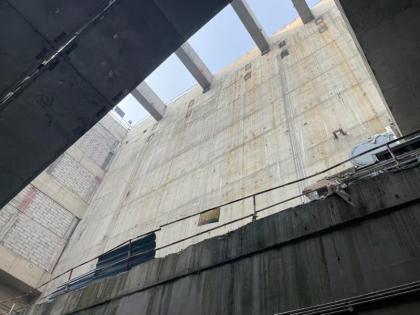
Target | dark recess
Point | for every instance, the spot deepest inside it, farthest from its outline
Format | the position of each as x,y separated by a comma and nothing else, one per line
388,32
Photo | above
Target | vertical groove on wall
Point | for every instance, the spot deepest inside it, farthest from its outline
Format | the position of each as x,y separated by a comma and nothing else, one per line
291,126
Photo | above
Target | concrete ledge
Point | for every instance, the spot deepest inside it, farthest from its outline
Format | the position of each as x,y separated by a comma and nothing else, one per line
21,269
84,161
376,197
60,194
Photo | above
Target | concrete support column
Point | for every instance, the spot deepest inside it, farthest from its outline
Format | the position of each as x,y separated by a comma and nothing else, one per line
149,100
195,65
304,11
252,25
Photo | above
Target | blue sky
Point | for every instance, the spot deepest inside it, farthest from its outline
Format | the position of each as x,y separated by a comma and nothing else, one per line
219,43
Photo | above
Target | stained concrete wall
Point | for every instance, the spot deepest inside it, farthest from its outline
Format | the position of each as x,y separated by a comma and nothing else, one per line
265,121
36,225
388,33
304,256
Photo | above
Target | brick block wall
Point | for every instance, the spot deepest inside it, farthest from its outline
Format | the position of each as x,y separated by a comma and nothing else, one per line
32,241
6,214
97,144
68,172
35,227
44,210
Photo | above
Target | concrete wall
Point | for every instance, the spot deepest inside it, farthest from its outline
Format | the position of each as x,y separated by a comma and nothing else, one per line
36,225
388,33
305,256
265,121
10,291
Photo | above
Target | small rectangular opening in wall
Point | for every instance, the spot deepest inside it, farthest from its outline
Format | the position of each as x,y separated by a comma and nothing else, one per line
119,112
51,168
107,160
211,216
323,28
189,109
284,53
248,76
282,44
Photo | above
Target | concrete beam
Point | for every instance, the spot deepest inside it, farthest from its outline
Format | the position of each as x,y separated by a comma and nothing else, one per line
195,65
304,11
252,25
149,100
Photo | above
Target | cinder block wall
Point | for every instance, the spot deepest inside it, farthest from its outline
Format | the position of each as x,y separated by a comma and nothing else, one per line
36,225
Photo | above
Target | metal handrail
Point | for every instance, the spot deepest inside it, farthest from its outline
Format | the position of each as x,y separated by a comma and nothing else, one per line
297,180
343,304
70,271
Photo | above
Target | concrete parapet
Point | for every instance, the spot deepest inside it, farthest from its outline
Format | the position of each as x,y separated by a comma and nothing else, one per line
307,255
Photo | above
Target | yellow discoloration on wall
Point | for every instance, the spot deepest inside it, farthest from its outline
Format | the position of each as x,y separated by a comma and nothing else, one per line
240,137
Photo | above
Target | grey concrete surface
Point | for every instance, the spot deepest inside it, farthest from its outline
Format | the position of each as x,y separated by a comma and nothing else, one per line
37,223
388,33
303,256
150,101
252,25
195,65
87,54
267,120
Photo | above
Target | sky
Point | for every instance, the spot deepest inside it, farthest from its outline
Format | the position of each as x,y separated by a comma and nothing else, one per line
219,43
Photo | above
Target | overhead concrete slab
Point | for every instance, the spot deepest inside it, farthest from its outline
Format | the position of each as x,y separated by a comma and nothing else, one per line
43,122
57,20
20,46
188,16
134,47
117,45
388,33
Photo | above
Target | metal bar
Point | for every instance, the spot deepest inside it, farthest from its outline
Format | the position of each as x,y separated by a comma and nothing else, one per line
254,216
392,155
401,288
281,202
231,202
12,308
297,180
204,232
69,278
129,255
75,267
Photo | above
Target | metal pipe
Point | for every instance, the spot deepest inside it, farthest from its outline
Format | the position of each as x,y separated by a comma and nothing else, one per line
228,203
254,216
129,255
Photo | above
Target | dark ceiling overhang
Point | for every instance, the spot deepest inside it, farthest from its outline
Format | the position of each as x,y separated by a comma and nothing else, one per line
388,32
65,64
